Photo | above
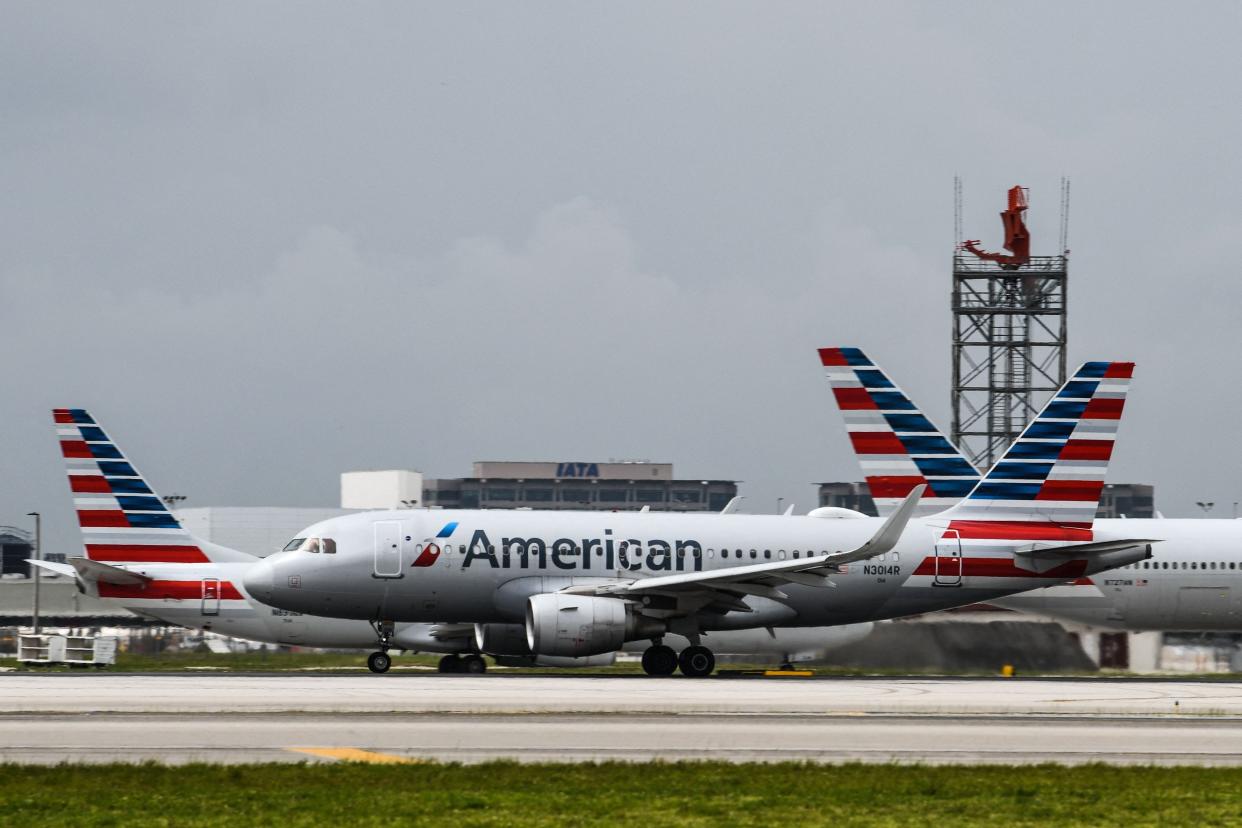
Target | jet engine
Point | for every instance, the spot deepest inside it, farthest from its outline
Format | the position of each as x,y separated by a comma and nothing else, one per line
561,624
507,644
501,639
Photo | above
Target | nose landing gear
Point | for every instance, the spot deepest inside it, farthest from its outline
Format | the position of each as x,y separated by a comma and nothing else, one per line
379,662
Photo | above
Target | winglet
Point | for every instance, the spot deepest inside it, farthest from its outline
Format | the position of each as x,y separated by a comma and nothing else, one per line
737,577
889,533
731,506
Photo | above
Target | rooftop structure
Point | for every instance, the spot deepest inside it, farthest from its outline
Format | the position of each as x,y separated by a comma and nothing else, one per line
578,485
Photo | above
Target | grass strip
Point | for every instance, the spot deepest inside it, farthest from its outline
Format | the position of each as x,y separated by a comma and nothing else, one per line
611,794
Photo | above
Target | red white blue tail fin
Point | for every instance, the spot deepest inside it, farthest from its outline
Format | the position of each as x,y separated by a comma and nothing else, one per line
123,520
897,446
1054,473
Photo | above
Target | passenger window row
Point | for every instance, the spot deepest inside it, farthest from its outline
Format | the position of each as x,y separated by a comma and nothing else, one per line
1183,565
681,553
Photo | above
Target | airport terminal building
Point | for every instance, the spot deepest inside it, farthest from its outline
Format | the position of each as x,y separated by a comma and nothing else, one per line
578,485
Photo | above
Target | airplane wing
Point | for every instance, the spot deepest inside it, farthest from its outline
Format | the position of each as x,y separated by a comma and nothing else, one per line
763,579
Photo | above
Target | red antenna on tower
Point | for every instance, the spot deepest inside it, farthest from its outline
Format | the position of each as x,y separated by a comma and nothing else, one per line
1017,237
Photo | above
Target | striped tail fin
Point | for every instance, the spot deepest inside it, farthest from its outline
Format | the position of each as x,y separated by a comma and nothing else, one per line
897,446
123,520
1054,473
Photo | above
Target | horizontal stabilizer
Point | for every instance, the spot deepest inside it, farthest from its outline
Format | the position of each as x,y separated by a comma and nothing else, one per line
1095,548
54,568
89,570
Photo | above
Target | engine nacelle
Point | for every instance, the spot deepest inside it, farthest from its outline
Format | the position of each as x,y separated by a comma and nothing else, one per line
501,639
562,624
601,660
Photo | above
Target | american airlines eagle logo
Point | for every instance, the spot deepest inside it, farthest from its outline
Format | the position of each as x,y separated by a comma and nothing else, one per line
431,550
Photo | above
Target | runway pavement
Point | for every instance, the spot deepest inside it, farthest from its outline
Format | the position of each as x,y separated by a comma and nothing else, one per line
50,718
421,692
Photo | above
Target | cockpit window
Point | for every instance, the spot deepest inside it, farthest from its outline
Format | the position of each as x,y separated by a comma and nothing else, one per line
314,545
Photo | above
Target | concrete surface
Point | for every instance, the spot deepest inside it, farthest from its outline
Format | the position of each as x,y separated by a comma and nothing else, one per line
229,738
423,692
54,717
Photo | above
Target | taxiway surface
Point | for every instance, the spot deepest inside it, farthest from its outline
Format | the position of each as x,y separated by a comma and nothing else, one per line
50,718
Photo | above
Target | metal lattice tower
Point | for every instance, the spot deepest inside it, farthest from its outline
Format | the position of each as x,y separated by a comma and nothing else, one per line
1009,345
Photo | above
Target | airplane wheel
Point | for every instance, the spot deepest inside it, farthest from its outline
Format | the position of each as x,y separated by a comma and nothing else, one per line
379,662
696,662
659,660
474,664
450,664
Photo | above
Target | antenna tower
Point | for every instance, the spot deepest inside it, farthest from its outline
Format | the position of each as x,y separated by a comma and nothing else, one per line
1009,332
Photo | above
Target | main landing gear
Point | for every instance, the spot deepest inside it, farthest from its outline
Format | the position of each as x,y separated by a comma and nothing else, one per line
659,660
472,664
695,661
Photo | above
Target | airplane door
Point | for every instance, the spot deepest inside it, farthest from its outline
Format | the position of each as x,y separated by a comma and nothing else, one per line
387,549
949,560
211,596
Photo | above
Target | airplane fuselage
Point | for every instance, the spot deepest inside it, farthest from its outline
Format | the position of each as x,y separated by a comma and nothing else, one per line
482,566
1193,582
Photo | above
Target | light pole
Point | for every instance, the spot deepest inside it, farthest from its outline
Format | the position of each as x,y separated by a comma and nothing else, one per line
780,501
38,570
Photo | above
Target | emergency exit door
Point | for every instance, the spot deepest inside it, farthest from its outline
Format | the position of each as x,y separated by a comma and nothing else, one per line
949,560
211,596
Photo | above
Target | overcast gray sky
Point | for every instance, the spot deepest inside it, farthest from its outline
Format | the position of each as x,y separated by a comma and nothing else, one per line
266,243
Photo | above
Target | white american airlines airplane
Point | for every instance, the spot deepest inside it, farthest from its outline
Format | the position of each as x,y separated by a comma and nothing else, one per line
1192,583
579,584
198,581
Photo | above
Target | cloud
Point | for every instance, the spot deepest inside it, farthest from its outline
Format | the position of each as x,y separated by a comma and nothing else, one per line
266,255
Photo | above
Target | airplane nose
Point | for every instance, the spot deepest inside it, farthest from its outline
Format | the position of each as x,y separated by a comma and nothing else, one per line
260,580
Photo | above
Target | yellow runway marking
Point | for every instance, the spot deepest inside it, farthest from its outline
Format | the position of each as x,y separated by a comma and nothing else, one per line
346,754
